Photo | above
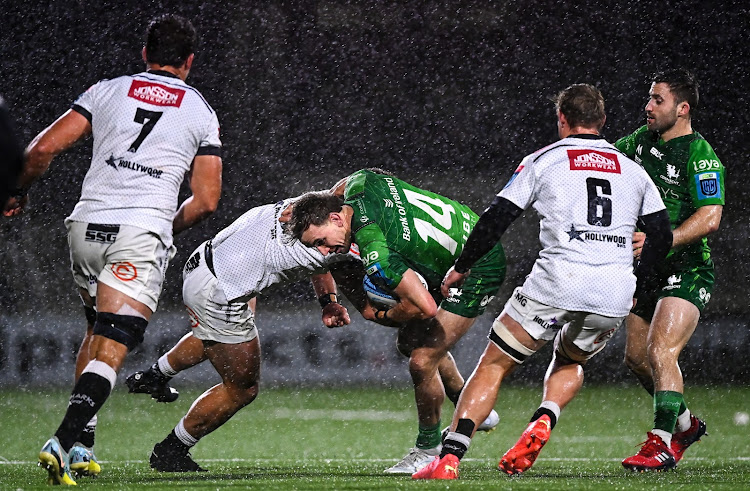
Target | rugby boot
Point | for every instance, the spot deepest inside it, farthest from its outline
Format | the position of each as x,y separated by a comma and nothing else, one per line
152,382
522,455
166,458
654,455
445,468
412,462
83,461
54,460
682,440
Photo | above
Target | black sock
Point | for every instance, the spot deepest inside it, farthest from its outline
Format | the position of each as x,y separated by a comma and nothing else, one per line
86,438
541,412
458,448
87,398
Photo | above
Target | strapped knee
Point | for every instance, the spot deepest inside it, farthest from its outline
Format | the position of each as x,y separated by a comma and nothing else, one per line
508,344
125,329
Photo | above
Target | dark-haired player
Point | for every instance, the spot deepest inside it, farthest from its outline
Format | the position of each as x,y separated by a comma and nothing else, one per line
690,178
149,131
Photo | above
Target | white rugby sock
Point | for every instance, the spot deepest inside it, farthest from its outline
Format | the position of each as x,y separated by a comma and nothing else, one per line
683,422
183,435
165,368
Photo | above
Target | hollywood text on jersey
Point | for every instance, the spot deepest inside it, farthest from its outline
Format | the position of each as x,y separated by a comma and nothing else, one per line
126,164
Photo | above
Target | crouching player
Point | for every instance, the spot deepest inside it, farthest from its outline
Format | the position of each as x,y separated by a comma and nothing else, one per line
590,198
221,280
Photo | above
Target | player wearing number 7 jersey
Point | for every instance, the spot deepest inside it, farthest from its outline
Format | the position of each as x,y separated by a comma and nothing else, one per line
401,229
589,197
149,131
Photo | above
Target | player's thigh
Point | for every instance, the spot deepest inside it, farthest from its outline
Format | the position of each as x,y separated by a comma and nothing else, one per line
674,322
135,263
88,244
212,317
585,334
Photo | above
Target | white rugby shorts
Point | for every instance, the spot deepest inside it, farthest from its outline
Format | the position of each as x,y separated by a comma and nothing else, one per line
212,316
589,332
127,258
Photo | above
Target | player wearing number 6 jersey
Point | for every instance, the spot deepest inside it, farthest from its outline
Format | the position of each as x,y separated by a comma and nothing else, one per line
400,230
590,198
149,130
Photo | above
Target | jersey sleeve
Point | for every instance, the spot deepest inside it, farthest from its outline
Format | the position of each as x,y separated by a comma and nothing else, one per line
520,189
211,142
383,266
705,175
84,104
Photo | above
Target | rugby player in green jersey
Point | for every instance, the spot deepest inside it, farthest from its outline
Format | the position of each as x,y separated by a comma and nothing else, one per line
402,230
690,178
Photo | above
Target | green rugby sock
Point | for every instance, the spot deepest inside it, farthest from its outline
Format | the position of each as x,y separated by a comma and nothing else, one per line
429,436
667,405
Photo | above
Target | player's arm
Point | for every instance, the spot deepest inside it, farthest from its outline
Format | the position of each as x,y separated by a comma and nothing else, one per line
56,138
334,314
491,226
205,184
700,224
415,302
657,243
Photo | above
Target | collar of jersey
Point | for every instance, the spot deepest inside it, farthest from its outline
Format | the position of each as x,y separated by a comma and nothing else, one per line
585,136
163,73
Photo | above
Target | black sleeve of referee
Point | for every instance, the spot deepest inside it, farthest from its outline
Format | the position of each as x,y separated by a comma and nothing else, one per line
488,230
655,249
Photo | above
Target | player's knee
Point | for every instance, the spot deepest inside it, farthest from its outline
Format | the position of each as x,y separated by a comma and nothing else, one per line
242,396
421,364
124,329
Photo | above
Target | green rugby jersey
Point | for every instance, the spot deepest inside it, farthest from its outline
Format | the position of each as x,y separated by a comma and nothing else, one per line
398,226
687,173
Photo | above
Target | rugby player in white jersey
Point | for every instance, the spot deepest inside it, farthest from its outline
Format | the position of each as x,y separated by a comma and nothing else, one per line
149,130
589,197
221,281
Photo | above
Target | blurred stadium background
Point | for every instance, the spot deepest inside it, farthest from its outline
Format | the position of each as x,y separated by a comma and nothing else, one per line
448,95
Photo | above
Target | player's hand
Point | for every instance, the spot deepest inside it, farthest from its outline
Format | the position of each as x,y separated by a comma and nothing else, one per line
286,215
452,279
639,238
15,206
335,315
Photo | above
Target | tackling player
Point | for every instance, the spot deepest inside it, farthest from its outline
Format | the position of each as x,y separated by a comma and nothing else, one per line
400,230
149,130
590,198
690,178
221,281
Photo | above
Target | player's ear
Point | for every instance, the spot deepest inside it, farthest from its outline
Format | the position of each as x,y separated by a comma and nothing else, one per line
143,55
189,61
683,109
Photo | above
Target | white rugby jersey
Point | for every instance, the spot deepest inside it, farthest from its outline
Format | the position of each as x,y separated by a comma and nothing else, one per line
254,253
588,196
147,129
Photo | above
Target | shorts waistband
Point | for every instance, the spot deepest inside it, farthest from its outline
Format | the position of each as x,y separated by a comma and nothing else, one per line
208,252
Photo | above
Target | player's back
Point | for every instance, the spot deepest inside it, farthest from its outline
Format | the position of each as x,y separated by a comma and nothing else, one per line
253,253
589,197
147,129
391,217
